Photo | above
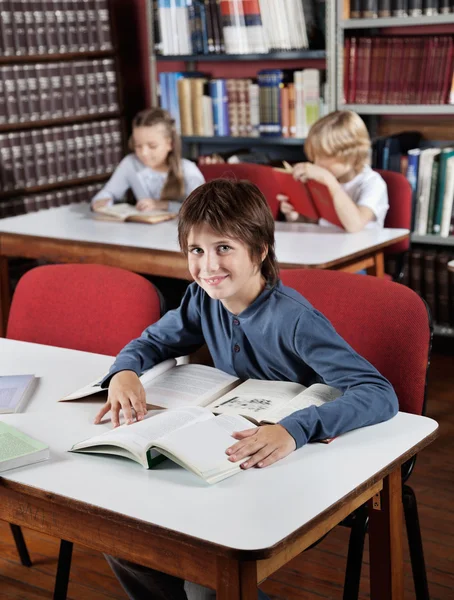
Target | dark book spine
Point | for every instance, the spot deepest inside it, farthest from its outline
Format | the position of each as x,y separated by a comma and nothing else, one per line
20,180
108,154
9,82
444,7
60,153
33,91
18,26
103,21
79,142
51,157
40,157
83,40
384,8
209,27
415,8
51,28
56,88
6,26
355,9
70,27
3,113
23,103
92,25
430,7
117,147
71,152
28,157
369,9
45,91
91,88
442,286
399,8
111,84
79,76
102,98
429,282
98,146
39,25
89,144
30,28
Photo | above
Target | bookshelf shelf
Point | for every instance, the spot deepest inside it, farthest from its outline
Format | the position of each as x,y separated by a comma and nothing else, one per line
243,141
53,186
32,58
382,22
399,109
290,55
60,121
432,240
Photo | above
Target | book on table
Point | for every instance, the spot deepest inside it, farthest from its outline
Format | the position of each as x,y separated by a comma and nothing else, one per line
127,212
205,406
15,391
311,198
18,449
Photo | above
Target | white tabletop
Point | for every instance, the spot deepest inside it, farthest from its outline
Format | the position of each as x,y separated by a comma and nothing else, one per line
296,244
251,510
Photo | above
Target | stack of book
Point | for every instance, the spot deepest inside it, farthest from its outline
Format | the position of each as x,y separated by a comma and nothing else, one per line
278,103
398,70
371,9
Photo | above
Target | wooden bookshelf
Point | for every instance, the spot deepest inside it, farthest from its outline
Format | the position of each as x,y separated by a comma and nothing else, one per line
269,56
60,121
37,189
243,141
33,58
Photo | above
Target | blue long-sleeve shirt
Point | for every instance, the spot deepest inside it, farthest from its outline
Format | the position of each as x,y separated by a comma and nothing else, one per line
280,336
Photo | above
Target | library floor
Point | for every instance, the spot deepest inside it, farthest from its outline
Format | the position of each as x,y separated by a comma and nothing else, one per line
314,575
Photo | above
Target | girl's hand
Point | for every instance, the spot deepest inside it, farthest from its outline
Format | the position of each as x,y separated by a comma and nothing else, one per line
100,204
305,171
150,204
126,393
264,445
287,208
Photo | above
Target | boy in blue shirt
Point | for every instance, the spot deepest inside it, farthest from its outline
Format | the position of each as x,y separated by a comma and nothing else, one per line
254,327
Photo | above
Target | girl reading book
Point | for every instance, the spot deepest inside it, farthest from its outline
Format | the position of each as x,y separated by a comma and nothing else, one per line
254,327
155,172
339,147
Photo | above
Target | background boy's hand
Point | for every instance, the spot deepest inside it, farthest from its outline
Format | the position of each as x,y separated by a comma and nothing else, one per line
264,445
126,393
306,170
100,203
287,209
150,204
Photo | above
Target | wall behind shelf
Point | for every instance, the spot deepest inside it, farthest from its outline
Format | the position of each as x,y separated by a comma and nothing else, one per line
431,127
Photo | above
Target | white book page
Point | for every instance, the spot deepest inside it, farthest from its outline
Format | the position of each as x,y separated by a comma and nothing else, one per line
94,387
315,395
256,399
201,446
188,385
15,390
140,435
121,210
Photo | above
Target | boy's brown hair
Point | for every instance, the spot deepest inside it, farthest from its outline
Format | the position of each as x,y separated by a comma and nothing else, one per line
174,186
237,209
342,135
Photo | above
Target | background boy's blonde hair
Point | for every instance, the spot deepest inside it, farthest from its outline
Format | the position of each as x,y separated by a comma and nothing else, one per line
342,135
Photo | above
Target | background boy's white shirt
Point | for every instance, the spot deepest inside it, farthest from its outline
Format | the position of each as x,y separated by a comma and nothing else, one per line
369,189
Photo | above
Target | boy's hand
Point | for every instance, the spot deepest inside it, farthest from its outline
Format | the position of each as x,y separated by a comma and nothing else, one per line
150,204
264,445
306,170
287,208
125,393
99,204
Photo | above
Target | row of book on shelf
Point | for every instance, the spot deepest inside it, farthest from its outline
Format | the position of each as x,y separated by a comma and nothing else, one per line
46,91
46,156
185,27
371,9
280,103
399,70
427,273
60,26
18,205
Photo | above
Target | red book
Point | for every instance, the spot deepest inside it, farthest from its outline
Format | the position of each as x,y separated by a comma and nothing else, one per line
310,199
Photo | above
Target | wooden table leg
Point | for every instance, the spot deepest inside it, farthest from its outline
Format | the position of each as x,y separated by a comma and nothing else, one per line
386,542
236,580
378,268
5,295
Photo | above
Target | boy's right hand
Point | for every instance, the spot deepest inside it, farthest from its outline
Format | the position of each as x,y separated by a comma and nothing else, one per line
99,203
287,209
126,393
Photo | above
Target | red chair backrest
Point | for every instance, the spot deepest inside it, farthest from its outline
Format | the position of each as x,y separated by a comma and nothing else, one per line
385,322
94,308
399,212
261,175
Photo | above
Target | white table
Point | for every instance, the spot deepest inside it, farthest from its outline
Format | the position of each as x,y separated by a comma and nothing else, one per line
228,536
72,234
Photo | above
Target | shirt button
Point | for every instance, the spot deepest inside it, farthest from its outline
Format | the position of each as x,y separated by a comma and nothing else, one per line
236,322
236,348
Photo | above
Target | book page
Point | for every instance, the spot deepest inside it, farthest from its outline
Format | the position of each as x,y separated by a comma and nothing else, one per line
255,398
188,385
14,443
138,437
201,447
315,395
118,211
14,392
95,386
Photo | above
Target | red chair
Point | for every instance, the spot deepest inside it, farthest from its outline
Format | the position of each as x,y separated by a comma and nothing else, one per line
388,324
261,175
94,308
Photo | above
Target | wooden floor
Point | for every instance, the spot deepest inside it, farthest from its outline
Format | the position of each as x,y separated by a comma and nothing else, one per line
316,574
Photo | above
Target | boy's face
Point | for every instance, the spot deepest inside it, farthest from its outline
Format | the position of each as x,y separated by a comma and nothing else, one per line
152,145
342,171
223,267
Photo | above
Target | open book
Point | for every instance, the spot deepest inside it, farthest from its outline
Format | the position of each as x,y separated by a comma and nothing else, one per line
192,437
18,449
168,385
15,391
126,212
310,199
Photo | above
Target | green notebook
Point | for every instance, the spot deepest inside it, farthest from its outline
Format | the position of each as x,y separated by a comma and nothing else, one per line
18,449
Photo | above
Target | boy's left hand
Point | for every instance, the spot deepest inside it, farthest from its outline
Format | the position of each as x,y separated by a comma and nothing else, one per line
307,170
264,445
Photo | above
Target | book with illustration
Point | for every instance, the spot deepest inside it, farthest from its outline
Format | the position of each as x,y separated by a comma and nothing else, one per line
127,212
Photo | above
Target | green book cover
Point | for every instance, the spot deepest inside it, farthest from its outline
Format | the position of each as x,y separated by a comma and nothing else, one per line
438,209
18,449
